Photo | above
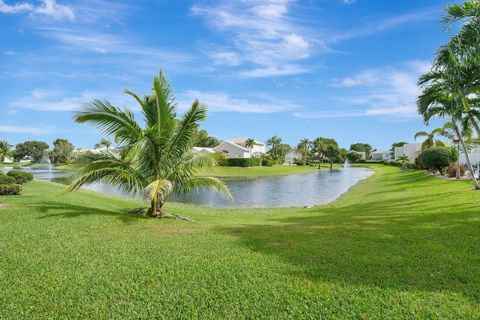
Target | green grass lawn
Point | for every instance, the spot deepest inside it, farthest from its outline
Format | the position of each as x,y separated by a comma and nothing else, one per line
397,246
259,171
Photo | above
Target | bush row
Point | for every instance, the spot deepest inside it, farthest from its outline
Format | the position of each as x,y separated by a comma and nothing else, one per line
244,162
408,165
11,183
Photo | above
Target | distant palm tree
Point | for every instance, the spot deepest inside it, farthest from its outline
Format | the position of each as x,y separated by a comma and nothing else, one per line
249,143
4,148
304,147
106,143
274,143
156,160
431,141
404,159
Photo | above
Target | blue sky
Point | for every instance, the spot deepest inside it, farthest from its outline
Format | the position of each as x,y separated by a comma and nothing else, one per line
345,69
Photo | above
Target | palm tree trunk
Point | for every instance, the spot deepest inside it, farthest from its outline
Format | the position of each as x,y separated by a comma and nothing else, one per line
468,110
467,157
156,208
458,161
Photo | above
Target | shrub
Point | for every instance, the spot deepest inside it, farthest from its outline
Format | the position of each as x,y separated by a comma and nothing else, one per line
435,158
10,189
408,165
244,162
452,170
21,177
6,179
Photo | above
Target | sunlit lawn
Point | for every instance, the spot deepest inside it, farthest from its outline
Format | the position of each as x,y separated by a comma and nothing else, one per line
397,246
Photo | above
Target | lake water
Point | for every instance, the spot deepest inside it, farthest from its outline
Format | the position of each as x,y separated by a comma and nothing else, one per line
285,191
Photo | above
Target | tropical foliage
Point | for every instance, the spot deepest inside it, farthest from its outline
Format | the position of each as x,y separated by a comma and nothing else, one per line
4,148
278,150
431,140
34,149
157,159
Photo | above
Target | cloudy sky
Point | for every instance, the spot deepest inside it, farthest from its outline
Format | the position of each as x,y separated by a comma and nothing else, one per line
336,68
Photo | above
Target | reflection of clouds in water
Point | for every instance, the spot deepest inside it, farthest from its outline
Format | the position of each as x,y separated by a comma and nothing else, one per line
285,191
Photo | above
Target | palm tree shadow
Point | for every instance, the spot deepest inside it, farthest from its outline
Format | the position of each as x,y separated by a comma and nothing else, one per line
53,209
374,244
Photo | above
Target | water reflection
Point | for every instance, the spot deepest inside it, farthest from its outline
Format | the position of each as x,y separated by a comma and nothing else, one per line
286,191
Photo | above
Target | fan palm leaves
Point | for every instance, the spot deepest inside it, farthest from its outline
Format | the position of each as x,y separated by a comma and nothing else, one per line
4,148
156,159
431,140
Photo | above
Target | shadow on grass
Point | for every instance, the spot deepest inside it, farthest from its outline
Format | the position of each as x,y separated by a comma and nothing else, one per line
58,209
405,243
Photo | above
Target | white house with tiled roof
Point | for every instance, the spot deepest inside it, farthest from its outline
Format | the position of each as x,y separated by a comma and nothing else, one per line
236,148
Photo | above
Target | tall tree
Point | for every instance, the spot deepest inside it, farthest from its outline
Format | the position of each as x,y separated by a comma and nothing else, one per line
4,148
275,151
431,138
249,143
203,139
304,147
34,149
435,102
62,151
157,159
362,147
105,143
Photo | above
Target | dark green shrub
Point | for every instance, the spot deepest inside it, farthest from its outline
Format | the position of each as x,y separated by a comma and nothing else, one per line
10,189
21,177
266,163
436,159
6,179
244,162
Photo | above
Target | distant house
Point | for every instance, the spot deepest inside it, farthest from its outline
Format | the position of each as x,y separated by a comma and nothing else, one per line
363,154
291,156
236,148
202,150
7,160
380,155
26,159
411,150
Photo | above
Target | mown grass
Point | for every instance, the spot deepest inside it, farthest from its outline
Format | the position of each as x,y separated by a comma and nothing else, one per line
396,246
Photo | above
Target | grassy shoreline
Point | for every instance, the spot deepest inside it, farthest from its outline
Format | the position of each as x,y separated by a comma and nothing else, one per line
397,245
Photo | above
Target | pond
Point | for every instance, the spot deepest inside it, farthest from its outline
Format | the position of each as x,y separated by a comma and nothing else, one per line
284,191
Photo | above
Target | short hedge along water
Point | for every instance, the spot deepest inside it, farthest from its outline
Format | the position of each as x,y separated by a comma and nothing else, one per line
295,190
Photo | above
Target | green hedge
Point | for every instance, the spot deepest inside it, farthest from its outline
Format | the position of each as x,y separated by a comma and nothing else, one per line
244,162
10,189
408,165
21,177
6,179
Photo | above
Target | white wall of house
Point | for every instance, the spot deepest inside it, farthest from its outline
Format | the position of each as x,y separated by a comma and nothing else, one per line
381,155
291,156
256,151
411,150
474,156
232,150
203,151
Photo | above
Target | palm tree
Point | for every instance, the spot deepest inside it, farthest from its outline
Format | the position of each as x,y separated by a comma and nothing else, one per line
4,148
404,159
449,132
157,159
435,102
459,78
106,143
274,144
304,148
320,148
249,143
431,141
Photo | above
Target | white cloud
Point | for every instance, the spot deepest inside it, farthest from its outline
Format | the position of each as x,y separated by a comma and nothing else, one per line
349,1
273,71
47,8
386,92
223,102
22,129
262,33
57,101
